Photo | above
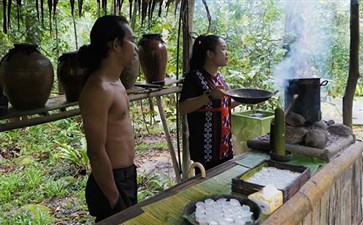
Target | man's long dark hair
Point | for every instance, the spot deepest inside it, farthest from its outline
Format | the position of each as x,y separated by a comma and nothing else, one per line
105,29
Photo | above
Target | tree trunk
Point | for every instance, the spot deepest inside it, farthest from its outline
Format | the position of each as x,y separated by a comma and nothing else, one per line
187,20
353,64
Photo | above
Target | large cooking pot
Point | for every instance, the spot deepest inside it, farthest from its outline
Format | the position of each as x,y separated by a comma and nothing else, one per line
307,102
249,95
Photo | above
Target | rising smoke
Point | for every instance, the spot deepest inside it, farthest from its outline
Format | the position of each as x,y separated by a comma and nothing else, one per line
307,40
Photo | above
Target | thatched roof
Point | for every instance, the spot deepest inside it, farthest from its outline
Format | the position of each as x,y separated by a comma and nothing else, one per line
145,8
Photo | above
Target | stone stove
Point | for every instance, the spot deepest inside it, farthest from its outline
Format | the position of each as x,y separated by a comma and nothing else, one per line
305,131
324,139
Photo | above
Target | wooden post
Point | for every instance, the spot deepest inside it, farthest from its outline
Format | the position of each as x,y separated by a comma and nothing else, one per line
187,10
353,64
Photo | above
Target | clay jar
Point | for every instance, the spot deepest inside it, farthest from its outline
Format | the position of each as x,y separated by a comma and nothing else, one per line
26,76
71,76
153,58
129,75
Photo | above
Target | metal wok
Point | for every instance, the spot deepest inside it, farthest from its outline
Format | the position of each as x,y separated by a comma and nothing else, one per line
249,95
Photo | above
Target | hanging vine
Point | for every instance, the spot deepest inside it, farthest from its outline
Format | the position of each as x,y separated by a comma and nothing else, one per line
5,27
9,11
145,9
42,11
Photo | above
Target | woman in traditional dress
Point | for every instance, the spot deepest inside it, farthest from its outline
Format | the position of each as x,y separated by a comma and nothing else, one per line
207,106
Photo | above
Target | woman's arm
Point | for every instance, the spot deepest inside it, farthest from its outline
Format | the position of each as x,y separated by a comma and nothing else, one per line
192,104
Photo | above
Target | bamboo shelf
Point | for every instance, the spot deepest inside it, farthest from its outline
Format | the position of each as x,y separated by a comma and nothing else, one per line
57,107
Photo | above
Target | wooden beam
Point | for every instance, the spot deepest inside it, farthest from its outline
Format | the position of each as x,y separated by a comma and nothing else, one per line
53,103
155,93
38,120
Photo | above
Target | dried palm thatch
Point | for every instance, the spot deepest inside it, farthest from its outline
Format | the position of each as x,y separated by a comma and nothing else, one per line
145,8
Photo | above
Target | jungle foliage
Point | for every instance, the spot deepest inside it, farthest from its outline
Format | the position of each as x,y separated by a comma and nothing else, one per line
255,32
51,159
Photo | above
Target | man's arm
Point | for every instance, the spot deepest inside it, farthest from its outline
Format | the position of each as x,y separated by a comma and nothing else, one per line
95,104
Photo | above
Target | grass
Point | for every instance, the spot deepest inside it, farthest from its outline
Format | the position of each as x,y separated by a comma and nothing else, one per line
35,184
44,171
156,146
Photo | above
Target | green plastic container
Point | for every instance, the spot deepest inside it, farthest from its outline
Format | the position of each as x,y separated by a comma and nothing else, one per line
249,125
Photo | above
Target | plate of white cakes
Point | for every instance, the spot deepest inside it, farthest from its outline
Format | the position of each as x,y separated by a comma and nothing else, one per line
222,209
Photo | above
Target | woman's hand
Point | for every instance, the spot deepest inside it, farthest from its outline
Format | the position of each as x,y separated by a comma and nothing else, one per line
192,104
218,92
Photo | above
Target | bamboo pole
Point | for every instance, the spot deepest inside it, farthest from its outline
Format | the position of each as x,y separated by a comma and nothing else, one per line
168,139
38,120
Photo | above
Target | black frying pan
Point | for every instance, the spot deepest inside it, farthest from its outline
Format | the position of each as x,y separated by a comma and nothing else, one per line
249,95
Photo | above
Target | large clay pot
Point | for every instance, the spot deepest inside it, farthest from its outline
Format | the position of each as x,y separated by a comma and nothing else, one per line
153,58
129,75
27,77
71,76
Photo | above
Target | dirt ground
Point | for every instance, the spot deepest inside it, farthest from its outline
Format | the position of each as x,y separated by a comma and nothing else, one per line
154,160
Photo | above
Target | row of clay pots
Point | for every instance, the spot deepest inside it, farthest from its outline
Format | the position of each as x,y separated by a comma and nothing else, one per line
27,76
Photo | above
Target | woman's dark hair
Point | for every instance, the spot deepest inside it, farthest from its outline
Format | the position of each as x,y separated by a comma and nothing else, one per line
105,29
202,44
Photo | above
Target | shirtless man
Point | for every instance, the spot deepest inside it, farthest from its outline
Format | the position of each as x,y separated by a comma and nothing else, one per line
104,105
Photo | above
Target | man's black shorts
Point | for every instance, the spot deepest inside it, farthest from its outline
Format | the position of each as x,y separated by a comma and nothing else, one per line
99,206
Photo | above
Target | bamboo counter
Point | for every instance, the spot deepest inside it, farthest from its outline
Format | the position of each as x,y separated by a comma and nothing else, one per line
333,195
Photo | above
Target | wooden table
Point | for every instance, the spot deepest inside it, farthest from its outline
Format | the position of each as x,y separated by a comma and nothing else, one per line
332,196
